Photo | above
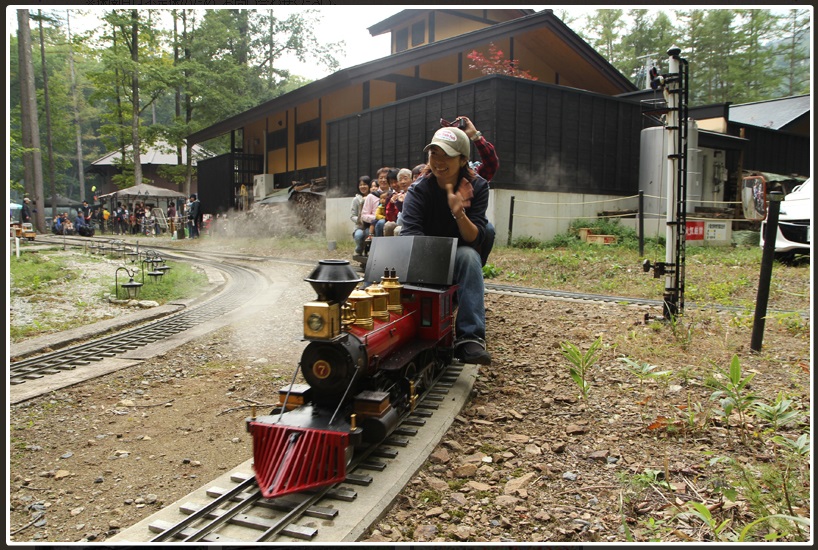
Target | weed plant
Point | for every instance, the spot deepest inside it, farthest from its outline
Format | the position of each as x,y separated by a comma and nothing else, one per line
581,363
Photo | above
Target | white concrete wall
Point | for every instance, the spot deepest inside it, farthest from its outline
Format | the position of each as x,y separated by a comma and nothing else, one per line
538,215
339,226
545,215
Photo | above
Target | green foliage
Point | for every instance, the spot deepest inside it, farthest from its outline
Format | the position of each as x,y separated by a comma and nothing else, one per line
581,363
718,530
770,490
179,282
792,321
780,413
800,446
430,497
527,243
490,271
650,478
733,392
29,272
643,370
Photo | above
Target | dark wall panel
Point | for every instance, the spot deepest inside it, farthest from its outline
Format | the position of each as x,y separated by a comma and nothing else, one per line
548,138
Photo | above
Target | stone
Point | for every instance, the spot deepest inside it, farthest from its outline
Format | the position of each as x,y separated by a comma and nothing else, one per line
477,486
465,470
440,456
425,532
437,484
506,500
514,485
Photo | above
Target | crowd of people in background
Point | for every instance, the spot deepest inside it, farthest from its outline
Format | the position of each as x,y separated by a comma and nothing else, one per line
137,218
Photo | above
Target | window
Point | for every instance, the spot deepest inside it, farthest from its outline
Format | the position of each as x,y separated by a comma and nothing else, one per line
418,33
425,312
402,40
308,131
277,139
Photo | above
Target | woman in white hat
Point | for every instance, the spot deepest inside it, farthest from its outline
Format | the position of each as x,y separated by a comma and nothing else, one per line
450,200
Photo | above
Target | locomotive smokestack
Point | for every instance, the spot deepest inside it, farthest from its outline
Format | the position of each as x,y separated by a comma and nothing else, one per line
333,280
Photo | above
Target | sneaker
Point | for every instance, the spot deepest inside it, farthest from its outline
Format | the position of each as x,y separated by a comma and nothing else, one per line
472,352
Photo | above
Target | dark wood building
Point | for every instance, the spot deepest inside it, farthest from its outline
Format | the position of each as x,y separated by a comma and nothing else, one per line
575,130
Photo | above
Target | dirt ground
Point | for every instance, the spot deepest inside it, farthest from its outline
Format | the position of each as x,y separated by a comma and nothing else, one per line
527,460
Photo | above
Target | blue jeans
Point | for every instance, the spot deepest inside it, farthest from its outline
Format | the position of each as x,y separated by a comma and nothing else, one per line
471,308
379,227
488,243
359,236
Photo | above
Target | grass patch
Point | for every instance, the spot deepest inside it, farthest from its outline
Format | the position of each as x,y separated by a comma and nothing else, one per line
179,282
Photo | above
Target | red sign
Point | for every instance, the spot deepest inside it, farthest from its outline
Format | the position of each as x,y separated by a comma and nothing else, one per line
694,231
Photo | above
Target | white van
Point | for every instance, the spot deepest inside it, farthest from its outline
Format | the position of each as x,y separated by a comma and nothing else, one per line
794,223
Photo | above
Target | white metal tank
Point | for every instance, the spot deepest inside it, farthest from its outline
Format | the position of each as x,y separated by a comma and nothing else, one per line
653,170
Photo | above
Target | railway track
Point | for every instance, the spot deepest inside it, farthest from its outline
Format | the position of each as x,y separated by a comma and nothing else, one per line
239,513
244,283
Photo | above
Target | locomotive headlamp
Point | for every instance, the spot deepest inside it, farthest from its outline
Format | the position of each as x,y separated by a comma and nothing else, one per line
322,320
315,322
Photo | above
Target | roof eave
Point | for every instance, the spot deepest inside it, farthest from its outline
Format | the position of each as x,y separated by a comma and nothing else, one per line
395,62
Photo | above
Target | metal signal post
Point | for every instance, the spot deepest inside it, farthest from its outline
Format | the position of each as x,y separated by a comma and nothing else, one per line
674,86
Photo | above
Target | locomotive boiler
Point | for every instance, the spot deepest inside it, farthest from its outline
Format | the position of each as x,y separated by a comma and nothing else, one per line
371,350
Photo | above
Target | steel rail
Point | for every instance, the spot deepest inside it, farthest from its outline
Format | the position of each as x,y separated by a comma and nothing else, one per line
241,285
184,532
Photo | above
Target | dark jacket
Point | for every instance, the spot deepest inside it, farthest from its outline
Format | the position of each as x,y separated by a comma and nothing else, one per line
25,213
194,211
426,211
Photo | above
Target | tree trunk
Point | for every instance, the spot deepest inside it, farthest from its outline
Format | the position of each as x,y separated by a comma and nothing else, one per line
77,121
137,160
47,108
32,157
188,107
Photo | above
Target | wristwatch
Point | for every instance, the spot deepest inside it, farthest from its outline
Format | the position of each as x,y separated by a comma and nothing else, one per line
477,135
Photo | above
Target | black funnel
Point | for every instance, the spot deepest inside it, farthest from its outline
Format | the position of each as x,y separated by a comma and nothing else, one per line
333,280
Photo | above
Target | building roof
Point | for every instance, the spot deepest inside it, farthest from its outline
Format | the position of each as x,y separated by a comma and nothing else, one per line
775,114
159,153
412,57
387,24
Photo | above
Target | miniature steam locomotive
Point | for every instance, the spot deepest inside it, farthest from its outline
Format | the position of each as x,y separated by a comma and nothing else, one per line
370,352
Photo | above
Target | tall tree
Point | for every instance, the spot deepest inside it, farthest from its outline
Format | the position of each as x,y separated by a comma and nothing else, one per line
604,28
47,109
30,124
133,46
75,108
752,73
794,52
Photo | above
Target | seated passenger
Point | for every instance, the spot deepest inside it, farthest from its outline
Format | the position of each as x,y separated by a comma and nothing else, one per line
396,202
361,230
368,212
81,225
376,229
450,200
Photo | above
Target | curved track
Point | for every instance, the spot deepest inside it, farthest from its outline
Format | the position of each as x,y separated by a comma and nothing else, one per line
253,518
242,285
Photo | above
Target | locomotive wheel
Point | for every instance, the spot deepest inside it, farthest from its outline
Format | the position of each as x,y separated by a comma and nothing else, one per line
427,375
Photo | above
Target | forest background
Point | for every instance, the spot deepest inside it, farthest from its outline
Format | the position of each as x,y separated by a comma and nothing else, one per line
144,75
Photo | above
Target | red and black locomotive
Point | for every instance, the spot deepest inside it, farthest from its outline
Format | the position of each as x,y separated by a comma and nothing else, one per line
371,351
